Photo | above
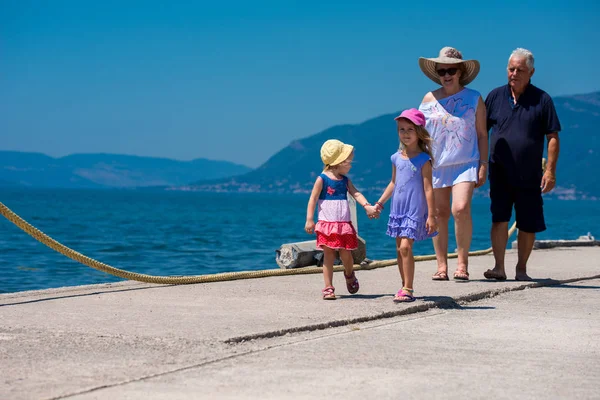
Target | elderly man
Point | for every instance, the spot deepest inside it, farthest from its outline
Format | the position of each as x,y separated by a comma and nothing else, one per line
520,116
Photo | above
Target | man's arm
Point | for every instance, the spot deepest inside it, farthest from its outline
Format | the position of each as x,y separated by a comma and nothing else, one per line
549,178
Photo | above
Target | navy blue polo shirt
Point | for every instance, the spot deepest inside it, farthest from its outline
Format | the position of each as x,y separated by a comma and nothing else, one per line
518,131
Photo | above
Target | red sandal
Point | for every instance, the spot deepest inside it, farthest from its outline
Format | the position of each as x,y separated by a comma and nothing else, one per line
351,283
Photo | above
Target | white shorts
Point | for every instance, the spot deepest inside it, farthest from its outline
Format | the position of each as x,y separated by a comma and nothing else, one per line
454,174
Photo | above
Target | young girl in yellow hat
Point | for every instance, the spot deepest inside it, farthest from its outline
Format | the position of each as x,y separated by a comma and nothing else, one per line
334,228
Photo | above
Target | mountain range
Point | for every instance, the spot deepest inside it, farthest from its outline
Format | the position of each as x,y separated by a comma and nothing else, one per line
295,167
107,170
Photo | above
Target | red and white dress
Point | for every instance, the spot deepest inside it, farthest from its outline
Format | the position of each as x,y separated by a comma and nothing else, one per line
334,228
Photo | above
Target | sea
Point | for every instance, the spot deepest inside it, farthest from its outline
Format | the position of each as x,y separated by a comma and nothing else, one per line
196,233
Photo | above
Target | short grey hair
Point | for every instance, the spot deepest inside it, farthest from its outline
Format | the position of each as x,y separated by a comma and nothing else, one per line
523,53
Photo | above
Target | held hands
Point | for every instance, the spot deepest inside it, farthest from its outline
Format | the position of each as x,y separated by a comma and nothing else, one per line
548,181
309,227
372,212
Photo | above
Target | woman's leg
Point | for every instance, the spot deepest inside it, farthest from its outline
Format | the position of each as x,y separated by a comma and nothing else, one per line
440,242
462,194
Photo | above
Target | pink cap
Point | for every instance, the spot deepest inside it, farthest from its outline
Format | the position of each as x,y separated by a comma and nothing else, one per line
413,115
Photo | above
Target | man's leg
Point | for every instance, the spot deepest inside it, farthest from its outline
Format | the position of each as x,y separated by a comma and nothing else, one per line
529,210
499,238
525,244
501,196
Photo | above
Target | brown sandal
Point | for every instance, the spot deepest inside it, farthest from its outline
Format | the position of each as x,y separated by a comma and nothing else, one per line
461,275
440,276
351,283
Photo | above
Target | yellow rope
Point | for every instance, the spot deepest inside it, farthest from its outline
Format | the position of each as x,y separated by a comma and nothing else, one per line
178,280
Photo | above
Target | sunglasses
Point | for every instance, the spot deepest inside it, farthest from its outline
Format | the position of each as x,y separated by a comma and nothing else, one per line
449,71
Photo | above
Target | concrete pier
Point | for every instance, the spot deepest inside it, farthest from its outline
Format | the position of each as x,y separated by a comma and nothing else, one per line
274,338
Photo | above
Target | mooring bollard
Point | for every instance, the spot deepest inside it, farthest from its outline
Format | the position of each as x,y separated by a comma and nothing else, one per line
305,254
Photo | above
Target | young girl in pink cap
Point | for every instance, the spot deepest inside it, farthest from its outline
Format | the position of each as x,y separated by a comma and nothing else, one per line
334,228
412,212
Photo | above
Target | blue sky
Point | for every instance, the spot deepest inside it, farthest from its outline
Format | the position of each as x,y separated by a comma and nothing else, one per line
240,80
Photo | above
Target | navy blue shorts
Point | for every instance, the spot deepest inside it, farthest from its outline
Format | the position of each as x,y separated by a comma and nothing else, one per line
528,202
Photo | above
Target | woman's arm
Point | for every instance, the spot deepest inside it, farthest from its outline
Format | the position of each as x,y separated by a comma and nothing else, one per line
482,142
428,97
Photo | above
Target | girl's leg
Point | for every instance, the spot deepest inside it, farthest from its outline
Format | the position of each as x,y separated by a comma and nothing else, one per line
408,271
462,193
408,262
328,260
399,258
348,261
440,242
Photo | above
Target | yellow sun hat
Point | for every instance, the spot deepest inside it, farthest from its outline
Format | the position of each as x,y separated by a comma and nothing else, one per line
334,152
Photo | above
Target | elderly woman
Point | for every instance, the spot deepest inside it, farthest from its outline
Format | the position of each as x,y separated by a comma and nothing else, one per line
456,120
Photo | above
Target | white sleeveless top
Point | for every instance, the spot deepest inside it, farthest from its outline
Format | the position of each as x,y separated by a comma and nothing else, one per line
451,124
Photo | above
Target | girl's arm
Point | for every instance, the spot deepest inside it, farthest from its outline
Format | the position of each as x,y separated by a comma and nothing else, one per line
358,196
360,199
431,224
482,142
309,226
387,193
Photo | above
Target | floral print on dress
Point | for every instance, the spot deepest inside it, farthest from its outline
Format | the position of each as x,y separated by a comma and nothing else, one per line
451,124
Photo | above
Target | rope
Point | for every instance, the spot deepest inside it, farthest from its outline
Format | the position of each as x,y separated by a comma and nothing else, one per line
180,280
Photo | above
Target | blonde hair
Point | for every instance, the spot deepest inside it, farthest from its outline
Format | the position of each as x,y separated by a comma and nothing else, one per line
425,140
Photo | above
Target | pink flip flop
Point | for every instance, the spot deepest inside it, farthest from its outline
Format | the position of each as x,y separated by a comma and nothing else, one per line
404,295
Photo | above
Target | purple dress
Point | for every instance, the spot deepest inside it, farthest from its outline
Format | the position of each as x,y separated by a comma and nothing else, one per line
408,210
